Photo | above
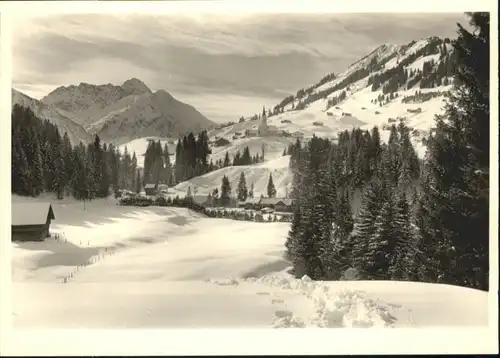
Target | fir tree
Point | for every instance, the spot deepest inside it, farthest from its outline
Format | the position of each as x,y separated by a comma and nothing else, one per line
293,235
179,163
246,158
80,180
271,190
454,210
38,182
242,190
59,180
364,224
227,162
24,186
138,182
105,177
168,165
225,191
404,257
380,247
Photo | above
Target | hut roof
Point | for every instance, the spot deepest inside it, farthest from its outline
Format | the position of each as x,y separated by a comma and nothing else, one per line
24,214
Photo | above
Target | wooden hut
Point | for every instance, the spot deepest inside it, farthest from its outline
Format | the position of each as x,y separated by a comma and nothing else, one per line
31,221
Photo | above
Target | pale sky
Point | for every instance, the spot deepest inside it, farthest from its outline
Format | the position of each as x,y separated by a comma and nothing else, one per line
226,66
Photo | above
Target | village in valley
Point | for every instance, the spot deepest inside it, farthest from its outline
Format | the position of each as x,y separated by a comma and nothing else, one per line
237,203
133,207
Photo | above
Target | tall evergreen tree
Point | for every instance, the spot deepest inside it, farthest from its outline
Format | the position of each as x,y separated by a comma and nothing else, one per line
404,258
250,192
138,182
242,190
225,191
59,180
364,224
179,160
105,177
80,180
227,162
38,182
271,190
167,164
454,208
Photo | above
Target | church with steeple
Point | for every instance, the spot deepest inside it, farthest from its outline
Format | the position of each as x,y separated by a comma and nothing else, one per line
263,129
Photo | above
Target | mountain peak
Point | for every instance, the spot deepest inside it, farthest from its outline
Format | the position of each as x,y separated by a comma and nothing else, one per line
164,94
135,86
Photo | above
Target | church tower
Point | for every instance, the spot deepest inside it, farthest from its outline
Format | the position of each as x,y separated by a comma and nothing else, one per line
263,126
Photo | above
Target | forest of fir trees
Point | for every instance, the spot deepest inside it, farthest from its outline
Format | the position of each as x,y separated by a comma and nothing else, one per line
45,161
420,221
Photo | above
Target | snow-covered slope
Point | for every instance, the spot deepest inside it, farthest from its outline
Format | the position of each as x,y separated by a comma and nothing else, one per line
321,110
258,174
76,132
119,114
128,267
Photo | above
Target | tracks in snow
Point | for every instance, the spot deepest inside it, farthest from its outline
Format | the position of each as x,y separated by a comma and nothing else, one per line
330,308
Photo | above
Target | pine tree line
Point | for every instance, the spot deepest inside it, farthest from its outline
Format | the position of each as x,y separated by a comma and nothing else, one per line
321,242
191,157
43,161
435,232
157,166
358,156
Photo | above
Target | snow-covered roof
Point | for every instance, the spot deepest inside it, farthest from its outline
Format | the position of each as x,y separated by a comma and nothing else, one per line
24,214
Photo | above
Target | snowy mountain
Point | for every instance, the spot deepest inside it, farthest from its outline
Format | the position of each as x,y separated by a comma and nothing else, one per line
122,113
76,132
408,82
84,99
394,82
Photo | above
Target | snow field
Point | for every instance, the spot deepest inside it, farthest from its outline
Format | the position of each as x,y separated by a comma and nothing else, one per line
171,267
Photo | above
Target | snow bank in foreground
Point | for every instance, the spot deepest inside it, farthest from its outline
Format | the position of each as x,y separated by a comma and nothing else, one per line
269,301
386,303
